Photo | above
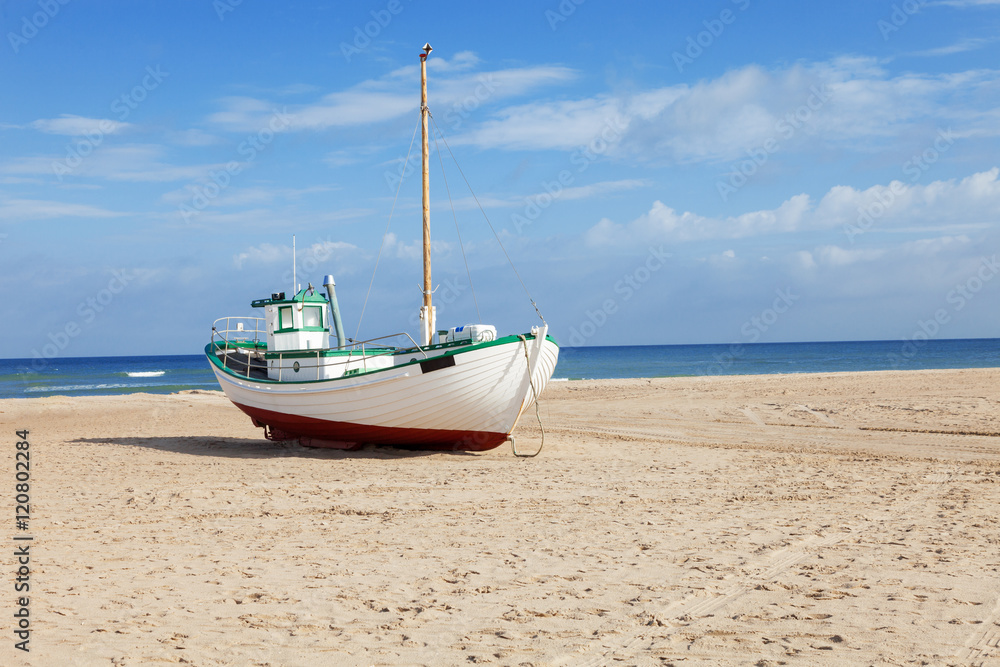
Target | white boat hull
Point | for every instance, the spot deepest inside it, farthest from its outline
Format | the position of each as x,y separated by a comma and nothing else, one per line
471,405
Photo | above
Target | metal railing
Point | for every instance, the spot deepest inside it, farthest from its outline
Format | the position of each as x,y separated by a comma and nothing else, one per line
239,337
240,332
235,336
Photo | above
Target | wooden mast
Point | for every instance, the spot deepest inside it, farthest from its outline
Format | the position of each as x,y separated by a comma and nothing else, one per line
427,319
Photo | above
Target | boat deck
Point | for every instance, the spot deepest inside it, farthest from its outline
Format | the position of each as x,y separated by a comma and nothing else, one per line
238,349
238,362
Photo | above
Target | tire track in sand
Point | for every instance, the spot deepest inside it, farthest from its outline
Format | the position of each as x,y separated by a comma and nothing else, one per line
985,644
683,614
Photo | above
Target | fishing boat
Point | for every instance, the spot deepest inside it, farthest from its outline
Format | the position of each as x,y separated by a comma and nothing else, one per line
462,388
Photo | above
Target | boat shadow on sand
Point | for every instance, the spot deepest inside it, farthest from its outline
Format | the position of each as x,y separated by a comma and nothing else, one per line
249,448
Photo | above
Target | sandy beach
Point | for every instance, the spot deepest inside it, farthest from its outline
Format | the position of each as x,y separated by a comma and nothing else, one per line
836,519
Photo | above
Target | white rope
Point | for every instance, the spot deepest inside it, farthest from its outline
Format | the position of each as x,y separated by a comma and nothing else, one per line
531,383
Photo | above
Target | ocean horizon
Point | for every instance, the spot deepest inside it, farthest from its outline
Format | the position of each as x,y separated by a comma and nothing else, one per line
103,376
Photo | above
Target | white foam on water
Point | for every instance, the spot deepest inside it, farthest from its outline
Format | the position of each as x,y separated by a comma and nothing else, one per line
77,387
145,374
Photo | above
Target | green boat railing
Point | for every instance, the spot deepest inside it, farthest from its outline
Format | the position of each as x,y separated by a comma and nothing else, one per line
248,335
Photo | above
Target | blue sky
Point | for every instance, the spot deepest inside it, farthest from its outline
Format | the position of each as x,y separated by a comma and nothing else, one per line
731,171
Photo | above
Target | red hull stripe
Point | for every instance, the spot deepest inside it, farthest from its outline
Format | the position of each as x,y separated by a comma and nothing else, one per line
345,435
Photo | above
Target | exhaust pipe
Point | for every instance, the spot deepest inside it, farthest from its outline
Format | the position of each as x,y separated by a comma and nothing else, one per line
329,284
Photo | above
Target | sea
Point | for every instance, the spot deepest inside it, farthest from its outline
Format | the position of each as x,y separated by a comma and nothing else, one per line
103,376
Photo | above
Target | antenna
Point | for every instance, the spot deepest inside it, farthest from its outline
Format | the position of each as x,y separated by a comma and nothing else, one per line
293,265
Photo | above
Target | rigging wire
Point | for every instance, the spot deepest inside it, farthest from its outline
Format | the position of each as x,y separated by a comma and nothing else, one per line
457,230
495,235
386,232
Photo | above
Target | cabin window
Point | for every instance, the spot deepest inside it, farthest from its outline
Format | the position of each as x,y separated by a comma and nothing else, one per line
285,318
312,316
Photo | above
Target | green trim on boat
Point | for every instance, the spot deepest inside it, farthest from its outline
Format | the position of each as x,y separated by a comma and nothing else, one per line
293,329
304,354
301,297
465,347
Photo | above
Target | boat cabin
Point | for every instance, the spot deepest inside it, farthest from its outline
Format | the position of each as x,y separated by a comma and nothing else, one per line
298,337
299,323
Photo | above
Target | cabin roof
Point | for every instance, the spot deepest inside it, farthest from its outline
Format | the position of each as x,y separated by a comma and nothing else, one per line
279,298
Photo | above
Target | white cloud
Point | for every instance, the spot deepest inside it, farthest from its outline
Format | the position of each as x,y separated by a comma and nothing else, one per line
243,114
803,259
849,103
267,253
545,198
71,125
662,223
562,125
872,269
934,246
383,99
832,255
414,249
140,163
18,180
968,44
951,204
462,60
128,162
247,196
962,4
600,189
19,210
